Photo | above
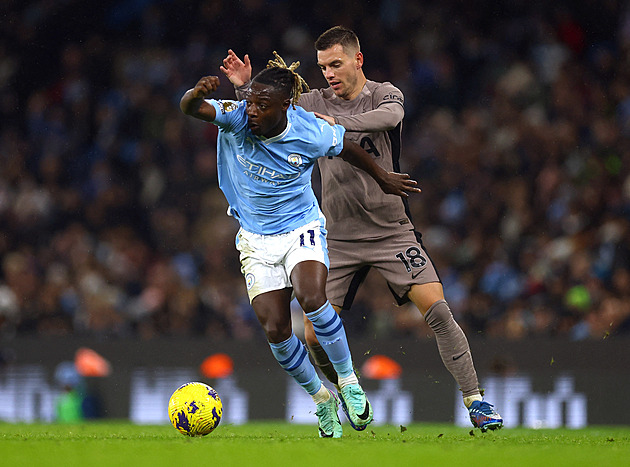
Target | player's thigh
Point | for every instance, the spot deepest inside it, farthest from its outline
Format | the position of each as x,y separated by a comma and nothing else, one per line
306,263
309,284
261,264
273,310
346,272
402,260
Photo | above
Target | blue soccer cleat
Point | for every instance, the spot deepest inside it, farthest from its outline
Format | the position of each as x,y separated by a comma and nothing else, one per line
328,418
356,406
484,417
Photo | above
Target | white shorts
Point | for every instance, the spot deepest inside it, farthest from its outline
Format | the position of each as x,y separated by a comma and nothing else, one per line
267,260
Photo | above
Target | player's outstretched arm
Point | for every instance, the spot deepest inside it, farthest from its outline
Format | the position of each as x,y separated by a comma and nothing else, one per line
238,71
386,117
392,183
193,102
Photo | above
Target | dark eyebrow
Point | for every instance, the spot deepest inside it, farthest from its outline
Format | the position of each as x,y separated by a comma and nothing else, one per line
334,62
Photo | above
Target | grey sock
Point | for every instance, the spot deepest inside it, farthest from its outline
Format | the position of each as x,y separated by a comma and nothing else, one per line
453,347
321,361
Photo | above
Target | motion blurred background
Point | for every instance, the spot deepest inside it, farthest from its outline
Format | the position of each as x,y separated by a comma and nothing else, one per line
113,229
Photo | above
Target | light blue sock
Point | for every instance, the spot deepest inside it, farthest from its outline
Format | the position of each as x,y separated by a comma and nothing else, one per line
332,337
292,356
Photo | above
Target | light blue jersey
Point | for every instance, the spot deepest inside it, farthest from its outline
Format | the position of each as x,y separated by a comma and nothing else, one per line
267,181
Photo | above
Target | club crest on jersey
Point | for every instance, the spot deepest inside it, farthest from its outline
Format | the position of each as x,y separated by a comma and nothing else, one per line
250,280
295,160
227,106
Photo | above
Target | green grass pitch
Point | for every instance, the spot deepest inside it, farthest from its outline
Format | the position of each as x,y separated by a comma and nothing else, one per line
282,444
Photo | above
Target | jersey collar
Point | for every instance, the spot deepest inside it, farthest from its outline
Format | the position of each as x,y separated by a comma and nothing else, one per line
267,141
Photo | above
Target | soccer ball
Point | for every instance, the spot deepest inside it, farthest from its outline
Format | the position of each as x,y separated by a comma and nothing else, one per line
195,409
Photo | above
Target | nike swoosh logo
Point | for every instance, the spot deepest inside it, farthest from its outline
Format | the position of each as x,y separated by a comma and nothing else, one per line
460,355
413,276
366,412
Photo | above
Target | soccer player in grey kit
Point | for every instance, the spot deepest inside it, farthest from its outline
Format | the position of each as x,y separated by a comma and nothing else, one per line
366,227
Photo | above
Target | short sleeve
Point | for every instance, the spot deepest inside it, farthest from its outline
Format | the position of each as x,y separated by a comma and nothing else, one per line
331,137
230,115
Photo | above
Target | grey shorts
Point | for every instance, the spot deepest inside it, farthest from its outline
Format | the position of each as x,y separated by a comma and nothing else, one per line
401,259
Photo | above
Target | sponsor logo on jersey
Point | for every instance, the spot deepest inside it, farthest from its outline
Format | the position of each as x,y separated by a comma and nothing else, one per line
264,174
393,97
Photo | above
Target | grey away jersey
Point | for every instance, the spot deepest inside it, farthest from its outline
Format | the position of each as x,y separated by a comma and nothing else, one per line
354,204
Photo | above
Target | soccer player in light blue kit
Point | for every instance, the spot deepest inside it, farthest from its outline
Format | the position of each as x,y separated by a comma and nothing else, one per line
266,151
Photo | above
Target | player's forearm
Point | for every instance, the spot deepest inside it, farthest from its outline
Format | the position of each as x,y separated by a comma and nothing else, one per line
355,155
189,104
384,118
241,91
392,183
196,107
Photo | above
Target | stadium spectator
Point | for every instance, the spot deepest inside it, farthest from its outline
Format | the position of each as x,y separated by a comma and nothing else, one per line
517,123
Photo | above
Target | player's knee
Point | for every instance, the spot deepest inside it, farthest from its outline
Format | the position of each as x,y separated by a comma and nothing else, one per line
311,301
438,315
425,296
277,332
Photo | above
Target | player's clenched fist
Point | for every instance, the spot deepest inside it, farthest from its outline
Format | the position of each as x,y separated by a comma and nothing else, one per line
193,102
205,86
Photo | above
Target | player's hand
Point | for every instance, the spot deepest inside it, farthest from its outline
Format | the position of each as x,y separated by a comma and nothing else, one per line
205,86
237,71
395,183
328,118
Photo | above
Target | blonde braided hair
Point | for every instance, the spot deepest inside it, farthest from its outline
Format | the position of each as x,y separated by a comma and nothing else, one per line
299,84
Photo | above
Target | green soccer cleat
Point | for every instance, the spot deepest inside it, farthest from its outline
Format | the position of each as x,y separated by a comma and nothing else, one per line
359,408
344,407
328,418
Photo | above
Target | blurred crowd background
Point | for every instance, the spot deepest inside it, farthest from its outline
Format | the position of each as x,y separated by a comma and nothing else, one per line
517,128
